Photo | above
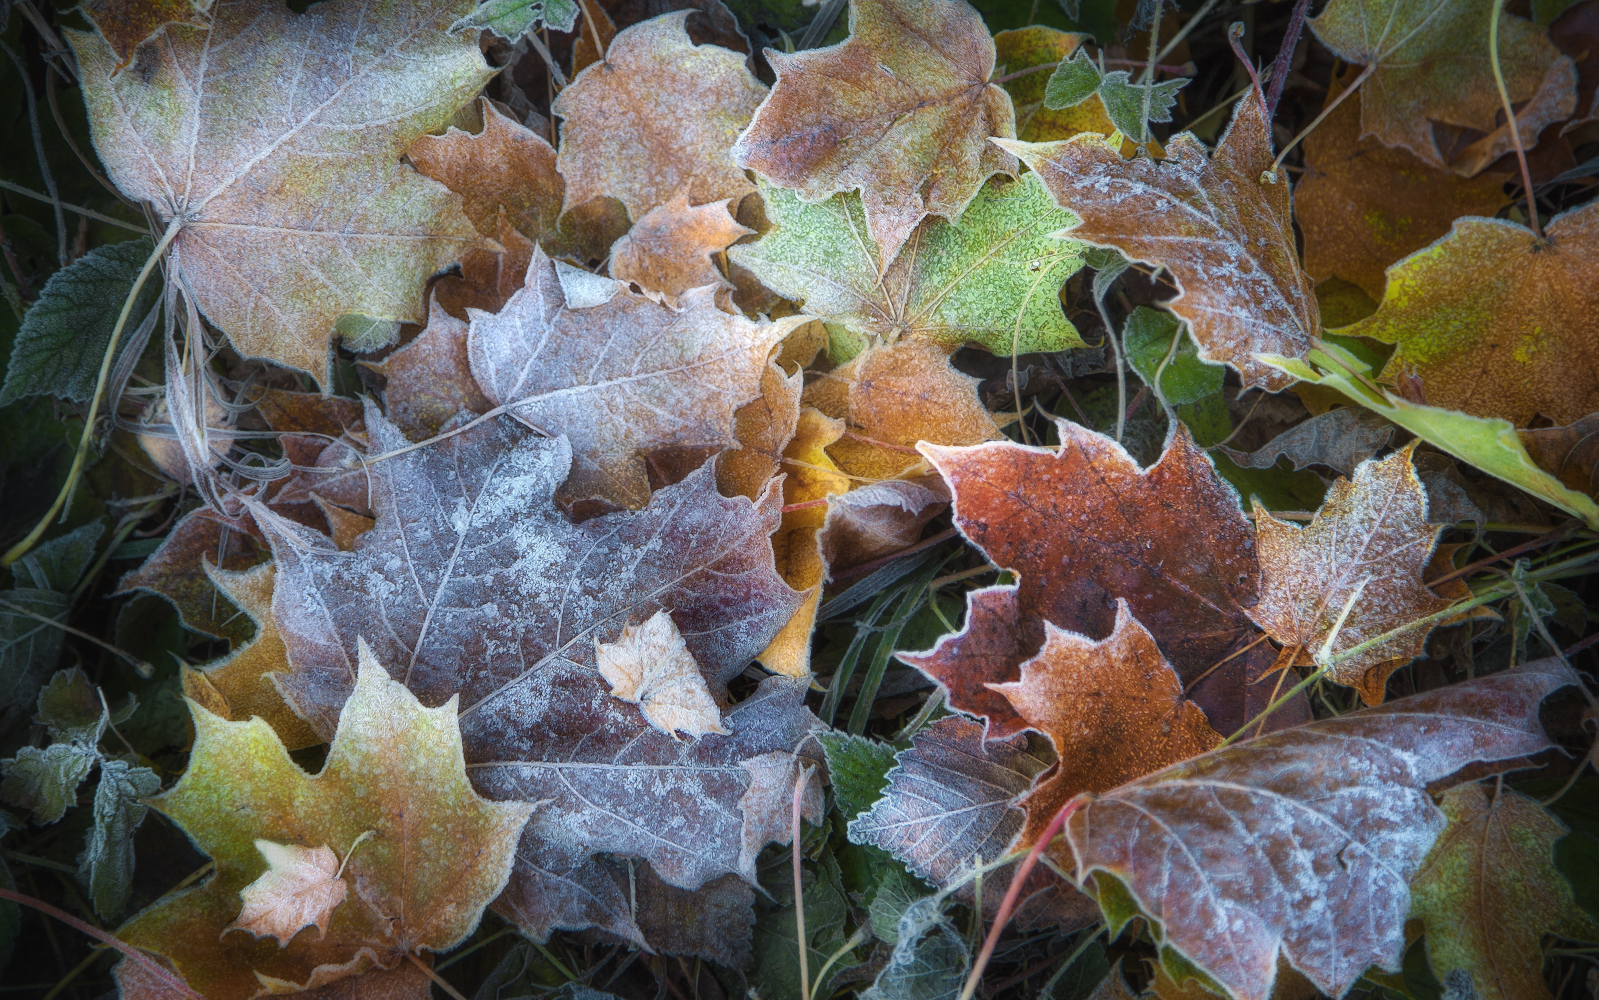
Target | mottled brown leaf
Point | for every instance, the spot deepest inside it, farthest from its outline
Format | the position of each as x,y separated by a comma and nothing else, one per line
1339,439
762,428
669,250
1304,841
1569,453
430,379
1221,230
126,24
657,117
902,111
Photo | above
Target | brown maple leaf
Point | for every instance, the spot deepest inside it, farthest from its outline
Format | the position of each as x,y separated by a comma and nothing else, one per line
473,583
1354,573
573,353
669,250
902,110
264,172
1495,321
1231,854
1081,527
429,380
1362,206
1222,230
1570,453
762,428
1114,710
656,117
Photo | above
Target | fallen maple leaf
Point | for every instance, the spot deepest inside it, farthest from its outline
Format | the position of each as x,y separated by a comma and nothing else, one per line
429,380
991,277
126,24
1114,710
669,250
762,427
1429,62
902,110
438,853
650,666
1305,840
1362,206
572,353
1214,221
655,118
300,888
1569,453
1081,527
1494,320
263,171
1490,890
1354,573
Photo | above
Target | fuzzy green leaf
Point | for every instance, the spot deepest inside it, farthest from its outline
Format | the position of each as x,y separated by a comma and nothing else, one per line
1186,379
511,19
106,865
46,781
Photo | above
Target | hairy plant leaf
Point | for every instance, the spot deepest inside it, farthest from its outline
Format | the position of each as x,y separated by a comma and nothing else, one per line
1431,59
292,206
655,118
669,250
618,374
1303,841
1081,527
1362,206
511,19
1036,45
990,277
1494,320
1339,439
1489,444
1222,232
64,334
1130,107
1353,573
857,768
1114,710
437,854
1490,890
105,867
45,781
902,111
930,958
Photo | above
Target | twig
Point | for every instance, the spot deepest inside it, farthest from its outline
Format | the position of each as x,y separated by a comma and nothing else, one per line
800,782
75,209
1517,550
1217,665
1285,56
1182,33
155,968
1149,94
1332,106
137,663
438,980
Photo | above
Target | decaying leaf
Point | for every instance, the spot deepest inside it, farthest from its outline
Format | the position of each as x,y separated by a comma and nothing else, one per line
1221,230
429,380
1431,59
1081,527
265,171
1362,206
1114,710
1569,453
1339,439
1495,321
902,110
395,769
1352,574
991,277
668,251
620,375
1490,890
650,666
655,118
300,888
1305,840
126,24
762,428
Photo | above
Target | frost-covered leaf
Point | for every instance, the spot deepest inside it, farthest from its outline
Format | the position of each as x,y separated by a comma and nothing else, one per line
1356,570
1305,840
292,204
990,277
1494,320
1081,527
1037,45
657,117
511,19
105,867
1130,107
436,855
128,23
1490,890
618,374
650,666
1210,220
902,111
930,958
71,710
1339,439
300,888
857,768
1114,710
1432,64
669,250
429,380
46,781
65,332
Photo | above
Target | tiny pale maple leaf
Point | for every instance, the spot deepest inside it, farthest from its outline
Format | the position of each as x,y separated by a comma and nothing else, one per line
1354,573
902,110
650,666
1222,230
299,889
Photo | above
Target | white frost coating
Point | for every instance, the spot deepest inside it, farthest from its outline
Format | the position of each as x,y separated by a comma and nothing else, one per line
582,289
1305,840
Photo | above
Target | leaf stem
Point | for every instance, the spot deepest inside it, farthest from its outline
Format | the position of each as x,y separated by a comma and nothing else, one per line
1332,106
20,549
1316,675
75,209
1510,117
800,782
1285,55
138,957
848,946
1149,93
438,980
